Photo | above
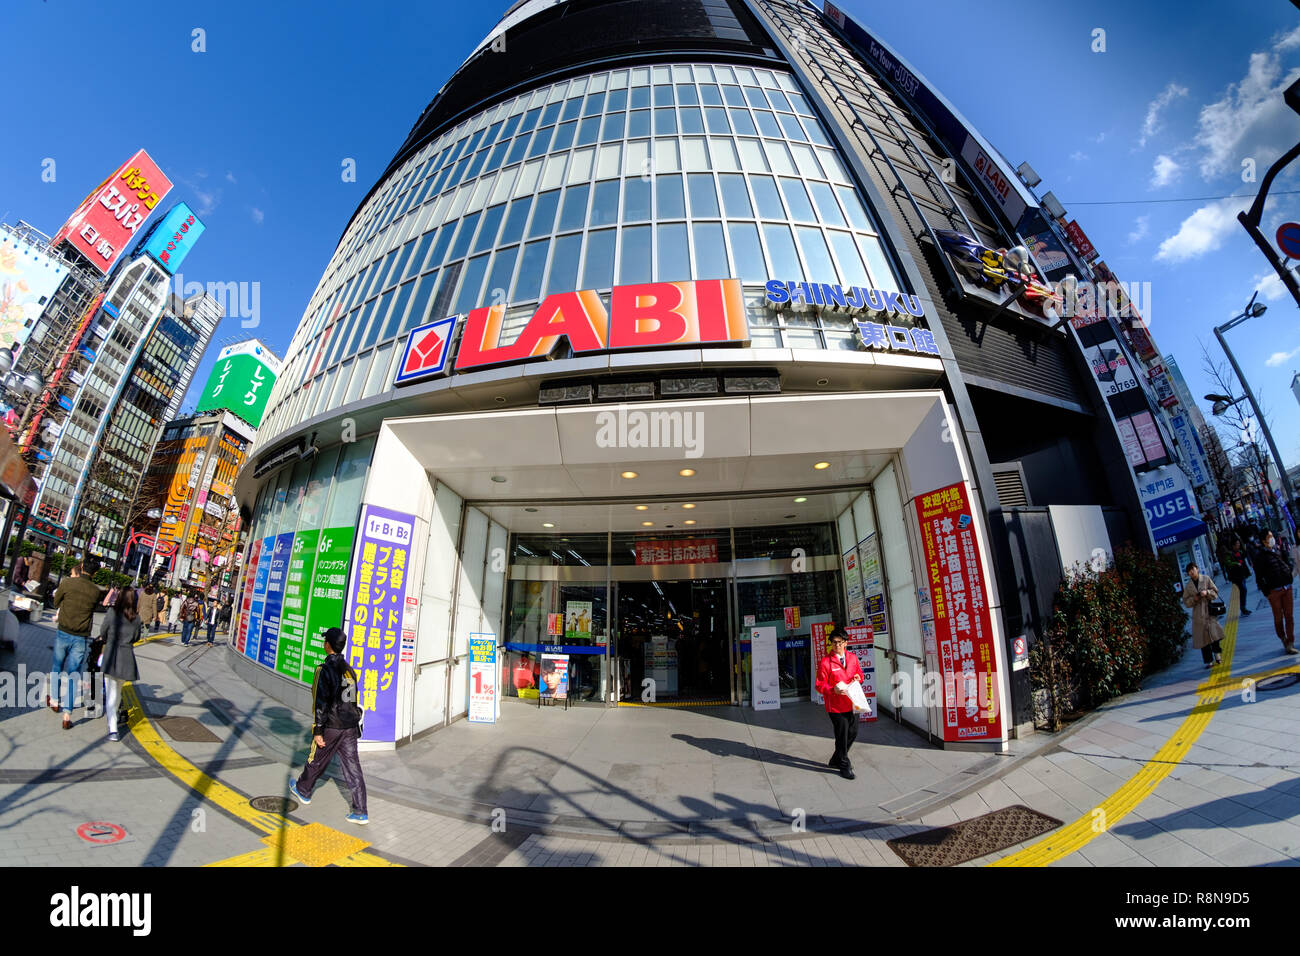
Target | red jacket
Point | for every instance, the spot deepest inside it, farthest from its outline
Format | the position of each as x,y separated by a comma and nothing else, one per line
829,673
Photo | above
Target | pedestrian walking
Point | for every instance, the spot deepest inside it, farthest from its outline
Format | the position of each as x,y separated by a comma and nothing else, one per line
160,610
1275,574
1236,567
836,671
223,617
1207,632
336,728
20,573
174,611
120,631
210,618
191,615
74,603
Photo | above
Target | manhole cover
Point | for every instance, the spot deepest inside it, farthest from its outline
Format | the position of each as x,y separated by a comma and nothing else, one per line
948,846
274,804
1277,683
187,730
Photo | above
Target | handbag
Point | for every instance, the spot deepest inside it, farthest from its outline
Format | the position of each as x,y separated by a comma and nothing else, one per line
1218,608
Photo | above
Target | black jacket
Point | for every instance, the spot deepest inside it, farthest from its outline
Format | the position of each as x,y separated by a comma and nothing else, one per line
334,696
1273,570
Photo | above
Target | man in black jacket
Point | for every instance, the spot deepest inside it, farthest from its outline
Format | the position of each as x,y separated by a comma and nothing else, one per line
1274,574
336,727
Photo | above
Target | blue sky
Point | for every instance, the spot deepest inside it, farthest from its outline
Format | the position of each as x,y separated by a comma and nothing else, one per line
254,132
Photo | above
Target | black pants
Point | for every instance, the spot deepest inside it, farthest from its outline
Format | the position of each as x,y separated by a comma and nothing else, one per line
1208,652
212,631
846,731
344,742
1242,586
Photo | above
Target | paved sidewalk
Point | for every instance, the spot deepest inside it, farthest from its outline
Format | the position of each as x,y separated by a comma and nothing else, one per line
635,786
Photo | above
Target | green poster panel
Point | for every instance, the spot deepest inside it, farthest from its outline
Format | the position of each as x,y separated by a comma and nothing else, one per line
329,587
293,613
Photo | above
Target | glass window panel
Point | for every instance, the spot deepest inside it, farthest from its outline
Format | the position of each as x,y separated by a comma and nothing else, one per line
834,168
815,253
419,304
638,123
564,265
439,254
778,101
670,202
572,108
695,157
607,161
349,482
663,96
541,142
544,214
723,152
634,252
827,208
394,318
799,103
618,80
378,314
724,74
756,98
553,171
598,83
778,157
604,204
503,268
578,87
487,233
735,198
747,252
528,285
767,124
743,122
588,130
882,276
796,198
517,149
710,251
815,132
710,94
574,212
466,233
665,156
598,264
640,97
733,96
595,104
475,165
846,251
665,122
636,199
340,386
515,219
504,183
564,136
613,127
704,199
530,120
551,113
745,76
751,156
471,285
378,379
853,206
580,168
703,74
804,159
635,158
617,101
673,263
692,121
528,178
686,95
780,247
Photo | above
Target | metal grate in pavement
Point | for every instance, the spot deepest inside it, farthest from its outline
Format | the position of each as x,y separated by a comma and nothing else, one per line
187,730
281,805
492,849
970,839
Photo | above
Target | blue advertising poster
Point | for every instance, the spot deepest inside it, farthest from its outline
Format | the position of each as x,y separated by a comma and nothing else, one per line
172,237
482,679
274,599
259,599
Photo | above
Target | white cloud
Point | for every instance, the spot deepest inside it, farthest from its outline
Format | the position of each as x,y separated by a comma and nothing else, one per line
258,215
1078,156
1270,286
1100,137
1281,358
1203,231
207,201
1250,120
1164,172
230,177
1151,125
1140,229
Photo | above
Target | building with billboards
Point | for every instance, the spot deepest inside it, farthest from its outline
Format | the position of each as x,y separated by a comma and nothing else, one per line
648,351
241,381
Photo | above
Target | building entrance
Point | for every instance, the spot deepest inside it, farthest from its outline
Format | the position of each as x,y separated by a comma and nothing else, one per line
673,641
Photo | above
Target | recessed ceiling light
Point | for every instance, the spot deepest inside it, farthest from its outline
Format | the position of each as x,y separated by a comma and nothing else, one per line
689,521
687,472
647,524
822,465
800,501
531,510
791,516
628,474
500,399
823,381
547,524
688,505
642,507
499,479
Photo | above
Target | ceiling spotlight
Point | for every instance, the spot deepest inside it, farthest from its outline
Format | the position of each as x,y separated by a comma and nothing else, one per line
687,472
628,474
823,381
647,524
642,507
547,524
689,521
822,465
800,501
499,479
500,399
688,505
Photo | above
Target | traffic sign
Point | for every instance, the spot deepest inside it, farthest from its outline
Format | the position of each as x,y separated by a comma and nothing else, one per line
1288,239
101,833
426,351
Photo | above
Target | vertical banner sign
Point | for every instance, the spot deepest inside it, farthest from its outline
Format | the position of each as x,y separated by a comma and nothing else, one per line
873,586
259,598
293,615
853,585
555,676
376,604
765,693
792,619
246,604
818,649
325,608
963,628
862,642
482,679
275,581
554,625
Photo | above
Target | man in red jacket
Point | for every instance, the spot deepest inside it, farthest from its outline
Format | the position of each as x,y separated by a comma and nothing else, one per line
836,671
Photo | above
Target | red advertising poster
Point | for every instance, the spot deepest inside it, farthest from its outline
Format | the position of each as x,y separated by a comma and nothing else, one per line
963,627
109,219
690,551
250,575
1079,240
792,619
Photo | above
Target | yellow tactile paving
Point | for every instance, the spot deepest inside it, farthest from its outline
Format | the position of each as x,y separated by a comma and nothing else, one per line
1123,801
285,839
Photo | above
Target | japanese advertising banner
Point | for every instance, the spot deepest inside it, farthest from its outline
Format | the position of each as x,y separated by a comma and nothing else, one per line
275,581
259,597
108,220
853,587
376,602
963,625
692,551
241,381
293,613
577,621
482,679
172,237
873,584
246,602
555,676
328,593
791,618
28,278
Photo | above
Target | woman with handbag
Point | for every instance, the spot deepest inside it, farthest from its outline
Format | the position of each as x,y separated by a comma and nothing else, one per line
119,632
1207,632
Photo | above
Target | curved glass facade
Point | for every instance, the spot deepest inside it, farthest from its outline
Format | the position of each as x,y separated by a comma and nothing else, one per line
667,172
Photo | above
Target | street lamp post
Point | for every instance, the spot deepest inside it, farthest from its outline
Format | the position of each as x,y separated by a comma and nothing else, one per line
1252,310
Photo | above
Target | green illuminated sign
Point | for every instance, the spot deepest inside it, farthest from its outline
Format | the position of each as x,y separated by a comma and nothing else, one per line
241,383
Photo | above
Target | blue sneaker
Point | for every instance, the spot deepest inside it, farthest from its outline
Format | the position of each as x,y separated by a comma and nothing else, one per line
293,792
360,819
